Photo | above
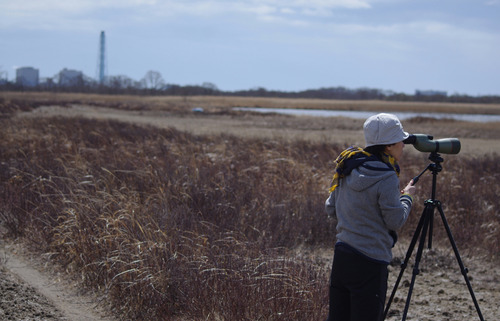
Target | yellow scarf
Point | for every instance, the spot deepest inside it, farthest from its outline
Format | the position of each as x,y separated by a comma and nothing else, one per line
352,158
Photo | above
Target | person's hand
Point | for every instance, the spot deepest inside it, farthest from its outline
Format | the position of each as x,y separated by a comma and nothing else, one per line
409,189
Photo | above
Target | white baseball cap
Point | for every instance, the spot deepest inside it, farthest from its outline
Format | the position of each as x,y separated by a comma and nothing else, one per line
383,129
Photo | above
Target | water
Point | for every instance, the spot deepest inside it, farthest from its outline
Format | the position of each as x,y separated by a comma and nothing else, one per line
481,118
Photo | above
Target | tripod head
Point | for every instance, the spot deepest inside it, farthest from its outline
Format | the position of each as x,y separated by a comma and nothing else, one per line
436,158
435,167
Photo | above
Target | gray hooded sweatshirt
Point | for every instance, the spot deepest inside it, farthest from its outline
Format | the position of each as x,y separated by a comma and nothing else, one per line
368,205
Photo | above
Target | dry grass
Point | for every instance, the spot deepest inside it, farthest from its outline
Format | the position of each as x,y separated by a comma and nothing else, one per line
176,112
166,223
172,225
223,103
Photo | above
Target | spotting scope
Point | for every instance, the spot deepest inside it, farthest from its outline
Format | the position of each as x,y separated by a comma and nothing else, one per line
425,143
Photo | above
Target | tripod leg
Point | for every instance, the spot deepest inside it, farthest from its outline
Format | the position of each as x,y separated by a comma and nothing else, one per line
405,262
431,229
459,260
427,216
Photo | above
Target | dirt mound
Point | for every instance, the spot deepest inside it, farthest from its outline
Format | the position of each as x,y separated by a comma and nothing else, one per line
31,292
22,302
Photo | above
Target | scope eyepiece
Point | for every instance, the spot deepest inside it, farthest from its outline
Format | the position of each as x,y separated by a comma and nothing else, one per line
425,143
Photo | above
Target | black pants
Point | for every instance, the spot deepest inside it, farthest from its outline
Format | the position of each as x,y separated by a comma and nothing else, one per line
358,288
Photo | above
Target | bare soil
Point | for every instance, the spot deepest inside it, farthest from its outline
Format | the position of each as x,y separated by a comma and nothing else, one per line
21,301
33,291
440,291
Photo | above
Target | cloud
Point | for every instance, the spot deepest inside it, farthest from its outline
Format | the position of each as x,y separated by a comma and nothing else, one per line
328,4
26,14
65,15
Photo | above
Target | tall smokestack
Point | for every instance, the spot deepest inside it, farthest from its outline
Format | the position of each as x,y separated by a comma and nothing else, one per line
102,58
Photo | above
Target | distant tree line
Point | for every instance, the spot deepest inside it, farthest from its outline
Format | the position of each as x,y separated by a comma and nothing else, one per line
154,84
367,94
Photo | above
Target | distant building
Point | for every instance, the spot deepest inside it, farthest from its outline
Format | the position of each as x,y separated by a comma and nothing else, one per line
430,93
47,83
3,77
27,76
70,78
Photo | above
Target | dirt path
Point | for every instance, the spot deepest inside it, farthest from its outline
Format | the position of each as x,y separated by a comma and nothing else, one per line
30,292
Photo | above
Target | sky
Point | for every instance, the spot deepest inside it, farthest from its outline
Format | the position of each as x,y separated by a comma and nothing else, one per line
286,45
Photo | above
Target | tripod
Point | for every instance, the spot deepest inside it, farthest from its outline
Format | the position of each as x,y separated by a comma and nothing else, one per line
425,225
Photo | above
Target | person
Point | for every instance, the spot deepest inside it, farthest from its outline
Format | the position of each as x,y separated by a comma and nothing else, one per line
370,208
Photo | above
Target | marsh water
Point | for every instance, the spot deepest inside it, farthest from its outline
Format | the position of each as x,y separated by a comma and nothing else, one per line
366,114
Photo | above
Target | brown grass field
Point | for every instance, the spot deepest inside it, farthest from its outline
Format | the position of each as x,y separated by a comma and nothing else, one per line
175,112
173,215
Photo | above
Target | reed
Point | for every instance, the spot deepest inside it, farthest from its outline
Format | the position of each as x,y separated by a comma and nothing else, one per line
170,225
165,223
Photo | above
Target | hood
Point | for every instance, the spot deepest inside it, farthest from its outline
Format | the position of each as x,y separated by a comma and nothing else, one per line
367,175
